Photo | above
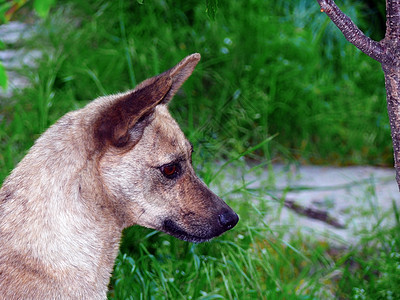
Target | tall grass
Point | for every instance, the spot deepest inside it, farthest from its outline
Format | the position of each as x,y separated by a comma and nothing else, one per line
275,78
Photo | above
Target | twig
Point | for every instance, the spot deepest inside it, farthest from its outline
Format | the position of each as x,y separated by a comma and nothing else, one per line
350,31
313,213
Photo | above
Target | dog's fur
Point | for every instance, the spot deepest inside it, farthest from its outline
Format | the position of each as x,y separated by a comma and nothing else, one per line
119,161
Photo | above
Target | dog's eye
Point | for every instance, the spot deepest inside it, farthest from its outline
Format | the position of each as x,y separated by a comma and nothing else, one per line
171,170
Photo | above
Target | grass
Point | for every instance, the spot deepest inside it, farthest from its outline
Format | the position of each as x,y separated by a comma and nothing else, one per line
248,265
275,78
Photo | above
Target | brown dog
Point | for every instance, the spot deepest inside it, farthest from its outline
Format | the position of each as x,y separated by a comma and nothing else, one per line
121,160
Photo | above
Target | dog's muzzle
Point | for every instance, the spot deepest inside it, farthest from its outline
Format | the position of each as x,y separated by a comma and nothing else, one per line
201,233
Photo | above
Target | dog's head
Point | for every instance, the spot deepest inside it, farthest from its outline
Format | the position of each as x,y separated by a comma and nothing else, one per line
145,162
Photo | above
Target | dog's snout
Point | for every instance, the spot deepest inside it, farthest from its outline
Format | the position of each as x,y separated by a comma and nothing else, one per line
228,219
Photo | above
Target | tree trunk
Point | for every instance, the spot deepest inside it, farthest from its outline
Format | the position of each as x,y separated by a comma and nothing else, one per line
387,52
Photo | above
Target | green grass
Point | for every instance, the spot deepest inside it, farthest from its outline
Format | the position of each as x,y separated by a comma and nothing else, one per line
249,264
275,78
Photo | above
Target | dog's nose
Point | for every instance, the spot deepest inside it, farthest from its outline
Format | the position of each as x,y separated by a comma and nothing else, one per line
228,219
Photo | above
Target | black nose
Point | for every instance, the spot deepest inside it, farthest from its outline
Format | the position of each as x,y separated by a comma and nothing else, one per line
228,219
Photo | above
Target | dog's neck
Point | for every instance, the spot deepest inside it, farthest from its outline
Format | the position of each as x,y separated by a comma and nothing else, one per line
46,230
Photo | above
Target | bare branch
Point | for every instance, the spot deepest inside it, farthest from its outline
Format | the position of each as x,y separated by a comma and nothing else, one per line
314,213
351,32
393,19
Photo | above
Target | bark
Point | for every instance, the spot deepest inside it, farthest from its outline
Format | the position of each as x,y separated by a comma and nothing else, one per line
386,51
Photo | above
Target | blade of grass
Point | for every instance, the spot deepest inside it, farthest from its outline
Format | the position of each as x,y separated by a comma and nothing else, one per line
259,145
3,77
128,55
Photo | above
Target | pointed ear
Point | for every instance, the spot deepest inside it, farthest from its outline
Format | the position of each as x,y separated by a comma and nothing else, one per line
180,73
123,120
115,121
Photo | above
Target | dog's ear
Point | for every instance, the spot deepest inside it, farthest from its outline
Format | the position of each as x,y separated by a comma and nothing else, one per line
114,123
122,122
180,73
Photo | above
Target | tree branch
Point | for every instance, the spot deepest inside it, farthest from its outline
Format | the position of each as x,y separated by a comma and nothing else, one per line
351,32
392,20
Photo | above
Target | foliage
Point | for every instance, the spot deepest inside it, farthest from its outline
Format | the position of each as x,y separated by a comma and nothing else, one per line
212,7
9,7
42,7
3,77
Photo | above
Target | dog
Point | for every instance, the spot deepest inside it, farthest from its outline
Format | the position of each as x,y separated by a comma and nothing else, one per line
119,161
